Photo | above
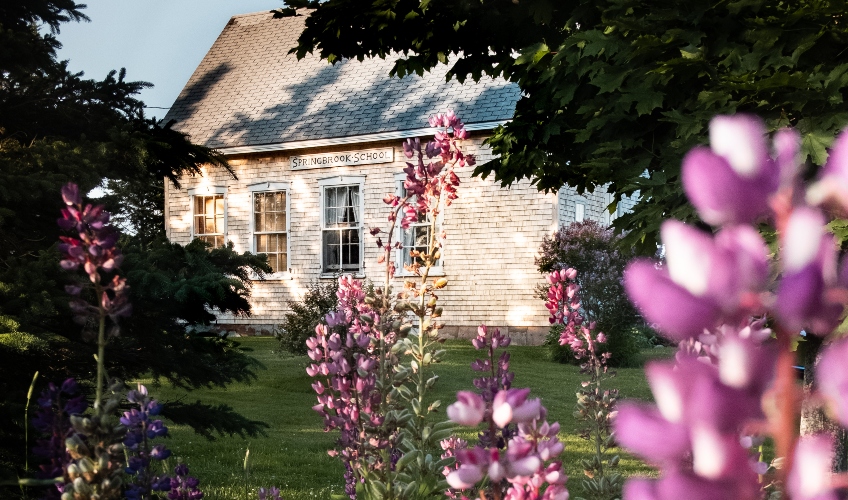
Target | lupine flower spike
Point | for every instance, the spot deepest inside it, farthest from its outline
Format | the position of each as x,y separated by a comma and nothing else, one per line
733,382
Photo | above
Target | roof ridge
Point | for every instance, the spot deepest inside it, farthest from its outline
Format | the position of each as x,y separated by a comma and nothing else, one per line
248,14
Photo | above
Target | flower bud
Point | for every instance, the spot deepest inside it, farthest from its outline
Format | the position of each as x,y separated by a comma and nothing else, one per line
73,471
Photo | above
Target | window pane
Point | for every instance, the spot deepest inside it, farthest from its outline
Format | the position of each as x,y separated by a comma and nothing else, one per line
209,224
258,224
353,259
331,248
329,215
422,236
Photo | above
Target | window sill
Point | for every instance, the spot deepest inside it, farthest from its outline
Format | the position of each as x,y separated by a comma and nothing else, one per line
284,276
325,276
434,272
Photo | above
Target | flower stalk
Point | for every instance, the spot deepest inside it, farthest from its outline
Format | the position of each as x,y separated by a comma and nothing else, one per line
358,351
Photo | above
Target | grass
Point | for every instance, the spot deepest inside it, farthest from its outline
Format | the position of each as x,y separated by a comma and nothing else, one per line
293,454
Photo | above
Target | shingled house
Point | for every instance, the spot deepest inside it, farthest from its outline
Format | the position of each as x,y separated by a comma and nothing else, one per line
315,147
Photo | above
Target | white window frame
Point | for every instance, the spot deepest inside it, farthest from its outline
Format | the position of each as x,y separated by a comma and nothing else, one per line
579,211
438,270
208,191
271,187
340,181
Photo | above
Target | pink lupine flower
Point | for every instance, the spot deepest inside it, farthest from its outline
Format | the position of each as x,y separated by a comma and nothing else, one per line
465,477
832,378
810,478
643,430
787,149
513,406
809,266
707,279
731,181
652,291
832,185
468,410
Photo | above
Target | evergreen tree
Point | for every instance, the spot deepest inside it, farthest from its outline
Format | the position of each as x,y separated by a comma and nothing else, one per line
57,126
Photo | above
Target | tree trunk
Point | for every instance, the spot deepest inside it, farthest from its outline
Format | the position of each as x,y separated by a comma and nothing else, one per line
813,418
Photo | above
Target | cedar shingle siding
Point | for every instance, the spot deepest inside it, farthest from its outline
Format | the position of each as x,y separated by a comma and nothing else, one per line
259,105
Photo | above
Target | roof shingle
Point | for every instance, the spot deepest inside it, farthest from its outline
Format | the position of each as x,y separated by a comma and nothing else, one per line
249,90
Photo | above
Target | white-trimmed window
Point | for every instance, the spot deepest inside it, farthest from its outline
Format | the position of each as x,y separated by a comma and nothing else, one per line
209,215
270,223
415,238
579,212
341,224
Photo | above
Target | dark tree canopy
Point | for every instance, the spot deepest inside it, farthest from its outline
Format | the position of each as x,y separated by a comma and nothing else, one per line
614,91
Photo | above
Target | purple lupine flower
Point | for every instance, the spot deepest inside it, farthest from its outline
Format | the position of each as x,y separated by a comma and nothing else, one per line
731,181
701,409
529,463
832,185
512,406
93,249
811,478
809,271
468,410
832,379
346,372
708,403
451,447
272,493
55,406
491,381
709,279
183,486
142,453
525,456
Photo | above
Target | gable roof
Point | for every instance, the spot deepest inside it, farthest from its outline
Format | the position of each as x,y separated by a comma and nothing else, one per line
250,94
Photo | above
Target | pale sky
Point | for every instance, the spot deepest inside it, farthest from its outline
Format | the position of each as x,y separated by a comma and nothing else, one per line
158,41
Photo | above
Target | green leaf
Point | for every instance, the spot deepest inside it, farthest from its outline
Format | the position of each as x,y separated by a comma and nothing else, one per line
533,54
406,459
814,145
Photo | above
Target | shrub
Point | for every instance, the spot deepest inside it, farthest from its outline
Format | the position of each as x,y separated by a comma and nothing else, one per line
594,251
299,324
627,349
558,353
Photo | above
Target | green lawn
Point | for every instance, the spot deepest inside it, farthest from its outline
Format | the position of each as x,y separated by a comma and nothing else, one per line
293,455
